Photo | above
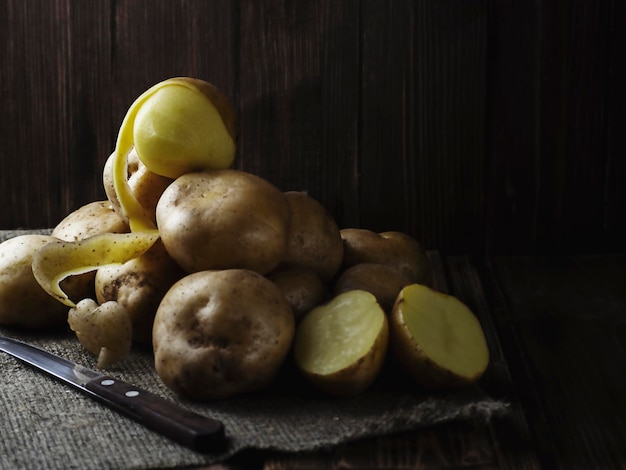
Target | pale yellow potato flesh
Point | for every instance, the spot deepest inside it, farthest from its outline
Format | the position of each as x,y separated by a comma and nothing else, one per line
340,346
443,339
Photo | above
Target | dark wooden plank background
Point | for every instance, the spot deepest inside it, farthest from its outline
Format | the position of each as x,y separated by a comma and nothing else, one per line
478,126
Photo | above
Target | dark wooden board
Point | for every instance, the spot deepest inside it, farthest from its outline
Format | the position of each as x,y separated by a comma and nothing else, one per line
555,134
563,329
474,125
55,125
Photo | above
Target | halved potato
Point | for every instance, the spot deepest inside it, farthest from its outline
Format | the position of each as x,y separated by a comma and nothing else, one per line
437,339
340,346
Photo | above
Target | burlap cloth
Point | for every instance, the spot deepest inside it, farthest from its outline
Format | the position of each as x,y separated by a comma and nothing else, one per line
46,424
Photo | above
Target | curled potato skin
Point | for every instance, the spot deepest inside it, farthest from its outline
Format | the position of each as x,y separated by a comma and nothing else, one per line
146,186
218,334
91,219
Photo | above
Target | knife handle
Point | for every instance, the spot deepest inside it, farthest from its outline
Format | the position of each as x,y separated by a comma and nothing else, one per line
190,429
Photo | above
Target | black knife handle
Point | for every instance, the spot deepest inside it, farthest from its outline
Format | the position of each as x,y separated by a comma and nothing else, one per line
190,429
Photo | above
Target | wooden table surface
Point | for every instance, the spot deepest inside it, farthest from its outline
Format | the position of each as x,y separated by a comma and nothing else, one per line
557,331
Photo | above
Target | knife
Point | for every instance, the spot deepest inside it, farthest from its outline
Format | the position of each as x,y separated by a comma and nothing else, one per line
193,430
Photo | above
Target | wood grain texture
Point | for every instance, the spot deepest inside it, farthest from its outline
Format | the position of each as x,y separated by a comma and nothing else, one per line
298,98
554,166
562,324
55,107
476,126
422,152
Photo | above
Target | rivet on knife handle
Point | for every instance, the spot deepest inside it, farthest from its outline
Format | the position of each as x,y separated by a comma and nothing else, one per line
183,426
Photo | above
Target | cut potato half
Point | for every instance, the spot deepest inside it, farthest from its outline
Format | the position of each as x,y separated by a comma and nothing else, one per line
340,346
437,338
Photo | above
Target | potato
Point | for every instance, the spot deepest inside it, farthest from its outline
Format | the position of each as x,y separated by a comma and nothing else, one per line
177,126
340,346
139,285
23,302
385,282
223,219
88,220
390,248
146,186
437,339
313,238
219,334
103,330
302,288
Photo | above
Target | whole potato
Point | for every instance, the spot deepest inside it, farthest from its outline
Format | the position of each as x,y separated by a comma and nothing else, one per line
223,219
23,302
313,239
302,288
91,219
396,249
218,334
384,282
139,285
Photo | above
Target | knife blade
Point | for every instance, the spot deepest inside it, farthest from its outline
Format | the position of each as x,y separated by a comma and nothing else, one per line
193,430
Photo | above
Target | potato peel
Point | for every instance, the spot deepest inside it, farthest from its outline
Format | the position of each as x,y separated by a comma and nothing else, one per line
57,260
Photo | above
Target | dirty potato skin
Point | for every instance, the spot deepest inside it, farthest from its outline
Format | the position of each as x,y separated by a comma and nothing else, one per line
384,282
391,248
313,240
223,219
219,334
139,285
145,185
91,219
302,288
